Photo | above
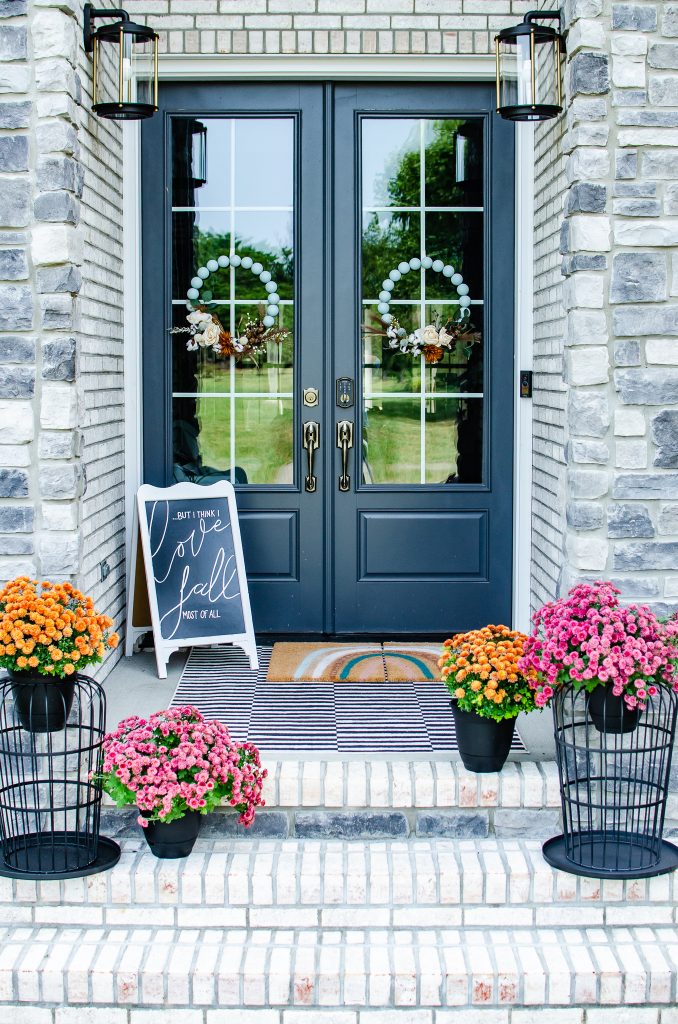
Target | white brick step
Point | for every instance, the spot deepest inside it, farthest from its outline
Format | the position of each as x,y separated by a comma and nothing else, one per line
392,799
335,884
318,972
413,783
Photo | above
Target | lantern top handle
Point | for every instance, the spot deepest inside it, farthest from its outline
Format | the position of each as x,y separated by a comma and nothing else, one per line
123,23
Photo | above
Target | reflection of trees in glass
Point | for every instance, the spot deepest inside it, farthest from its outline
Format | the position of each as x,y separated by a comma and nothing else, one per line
448,236
386,241
208,245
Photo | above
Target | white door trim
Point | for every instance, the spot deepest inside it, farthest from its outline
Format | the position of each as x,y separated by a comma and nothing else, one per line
329,68
524,334
134,421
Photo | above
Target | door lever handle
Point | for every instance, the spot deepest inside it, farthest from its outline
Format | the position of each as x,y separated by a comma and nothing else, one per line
311,442
344,442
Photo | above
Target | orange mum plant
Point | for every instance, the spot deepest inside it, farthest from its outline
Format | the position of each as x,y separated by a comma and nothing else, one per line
480,669
50,628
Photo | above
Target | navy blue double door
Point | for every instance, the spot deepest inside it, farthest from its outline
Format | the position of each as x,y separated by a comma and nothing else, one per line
353,245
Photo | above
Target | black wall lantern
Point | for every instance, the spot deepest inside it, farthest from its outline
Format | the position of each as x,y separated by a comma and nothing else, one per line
528,69
127,88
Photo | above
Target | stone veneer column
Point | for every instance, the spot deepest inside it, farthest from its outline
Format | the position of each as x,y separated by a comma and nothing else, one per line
621,350
17,344
40,186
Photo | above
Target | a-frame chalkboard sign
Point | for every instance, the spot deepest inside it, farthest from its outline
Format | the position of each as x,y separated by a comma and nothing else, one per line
195,574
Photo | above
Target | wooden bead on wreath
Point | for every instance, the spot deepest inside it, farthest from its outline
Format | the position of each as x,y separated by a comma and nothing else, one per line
429,341
207,331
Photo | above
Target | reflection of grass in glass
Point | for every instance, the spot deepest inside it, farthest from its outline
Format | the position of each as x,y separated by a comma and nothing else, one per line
441,450
406,380
263,434
394,439
215,378
263,430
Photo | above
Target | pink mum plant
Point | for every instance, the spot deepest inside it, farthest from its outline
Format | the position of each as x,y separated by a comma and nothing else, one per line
178,762
589,639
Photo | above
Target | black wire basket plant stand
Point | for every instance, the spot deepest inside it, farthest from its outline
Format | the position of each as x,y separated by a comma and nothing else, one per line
615,768
50,800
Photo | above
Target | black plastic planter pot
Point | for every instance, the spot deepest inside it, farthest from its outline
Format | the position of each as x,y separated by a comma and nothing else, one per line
609,713
484,744
42,705
172,839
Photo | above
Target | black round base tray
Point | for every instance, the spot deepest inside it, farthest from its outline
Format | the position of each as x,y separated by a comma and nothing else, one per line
554,852
108,857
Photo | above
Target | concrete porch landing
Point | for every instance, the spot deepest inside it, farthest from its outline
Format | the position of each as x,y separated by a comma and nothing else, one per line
362,796
133,688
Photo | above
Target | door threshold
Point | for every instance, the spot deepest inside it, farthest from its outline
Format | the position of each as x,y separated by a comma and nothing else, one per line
349,638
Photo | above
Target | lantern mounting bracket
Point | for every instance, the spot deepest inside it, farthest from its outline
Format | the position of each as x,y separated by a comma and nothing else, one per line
541,16
90,12
546,16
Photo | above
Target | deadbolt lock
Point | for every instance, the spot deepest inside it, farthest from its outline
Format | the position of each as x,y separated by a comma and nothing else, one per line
311,396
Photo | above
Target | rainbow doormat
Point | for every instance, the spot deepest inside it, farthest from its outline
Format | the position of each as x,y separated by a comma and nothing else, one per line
353,663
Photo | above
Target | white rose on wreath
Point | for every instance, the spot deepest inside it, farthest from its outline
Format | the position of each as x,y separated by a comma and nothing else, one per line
200,316
210,335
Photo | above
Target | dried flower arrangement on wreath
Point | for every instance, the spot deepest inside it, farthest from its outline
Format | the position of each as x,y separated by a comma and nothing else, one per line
206,331
431,341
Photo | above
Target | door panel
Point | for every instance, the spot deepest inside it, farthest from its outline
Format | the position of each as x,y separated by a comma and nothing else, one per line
423,536
270,543
237,161
391,548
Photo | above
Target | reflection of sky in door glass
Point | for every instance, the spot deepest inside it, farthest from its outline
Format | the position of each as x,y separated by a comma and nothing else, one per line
264,165
390,162
269,231
205,222
217,189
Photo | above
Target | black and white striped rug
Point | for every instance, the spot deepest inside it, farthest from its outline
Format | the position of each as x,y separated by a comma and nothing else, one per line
341,717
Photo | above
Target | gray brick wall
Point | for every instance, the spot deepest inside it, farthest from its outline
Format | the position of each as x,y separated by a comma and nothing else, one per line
327,26
549,402
101,369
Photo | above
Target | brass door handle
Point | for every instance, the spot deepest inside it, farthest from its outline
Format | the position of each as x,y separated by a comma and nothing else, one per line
344,442
311,442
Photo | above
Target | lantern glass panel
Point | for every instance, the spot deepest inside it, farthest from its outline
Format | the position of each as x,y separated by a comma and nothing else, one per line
138,70
515,73
547,55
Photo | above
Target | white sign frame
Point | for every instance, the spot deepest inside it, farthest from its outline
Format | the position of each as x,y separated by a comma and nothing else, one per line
183,492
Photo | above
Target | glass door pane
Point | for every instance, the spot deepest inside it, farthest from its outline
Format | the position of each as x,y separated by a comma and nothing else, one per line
422,300
233,255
